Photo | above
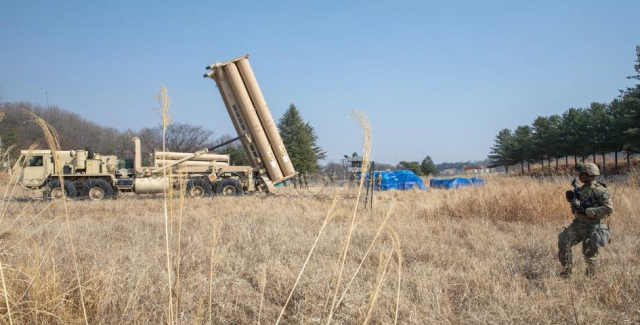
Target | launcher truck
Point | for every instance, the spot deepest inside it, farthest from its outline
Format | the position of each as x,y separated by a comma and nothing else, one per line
91,175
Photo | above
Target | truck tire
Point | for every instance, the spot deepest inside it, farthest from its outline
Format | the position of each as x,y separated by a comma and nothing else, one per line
198,187
56,190
229,186
98,189
214,186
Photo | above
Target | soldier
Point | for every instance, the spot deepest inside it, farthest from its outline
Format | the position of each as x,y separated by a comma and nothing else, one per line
352,179
300,177
333,179
325,179
294,180
587,227
379,181
305,178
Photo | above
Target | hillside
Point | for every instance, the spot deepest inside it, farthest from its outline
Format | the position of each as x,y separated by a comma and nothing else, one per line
76,132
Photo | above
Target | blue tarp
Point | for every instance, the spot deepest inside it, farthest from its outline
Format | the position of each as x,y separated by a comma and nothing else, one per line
408,180
398,180
478,181
456,182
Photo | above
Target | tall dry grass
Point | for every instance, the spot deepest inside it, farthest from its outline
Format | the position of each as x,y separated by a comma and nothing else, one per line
165,102
53,143
468,256
473,255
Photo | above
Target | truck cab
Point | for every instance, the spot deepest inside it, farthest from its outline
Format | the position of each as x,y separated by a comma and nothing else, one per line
35,167
83,171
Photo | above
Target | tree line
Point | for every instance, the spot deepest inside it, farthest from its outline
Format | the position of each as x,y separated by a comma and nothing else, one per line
580,133
18,132
75,132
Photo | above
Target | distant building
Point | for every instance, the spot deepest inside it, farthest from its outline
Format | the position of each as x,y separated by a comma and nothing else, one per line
353,163
448,172
477,169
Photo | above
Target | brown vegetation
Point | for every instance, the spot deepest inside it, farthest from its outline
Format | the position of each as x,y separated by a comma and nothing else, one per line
564,169
469,256
75,132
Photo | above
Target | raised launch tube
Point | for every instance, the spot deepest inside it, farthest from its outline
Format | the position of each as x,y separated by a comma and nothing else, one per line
251,117
266,119
237,116
253,122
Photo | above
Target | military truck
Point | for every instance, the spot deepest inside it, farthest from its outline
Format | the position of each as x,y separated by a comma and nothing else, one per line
96,177
91,175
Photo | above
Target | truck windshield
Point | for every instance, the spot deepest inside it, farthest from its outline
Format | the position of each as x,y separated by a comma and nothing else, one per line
35,161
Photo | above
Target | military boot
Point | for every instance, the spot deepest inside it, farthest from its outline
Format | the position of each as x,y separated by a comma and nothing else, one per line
566,273
591,271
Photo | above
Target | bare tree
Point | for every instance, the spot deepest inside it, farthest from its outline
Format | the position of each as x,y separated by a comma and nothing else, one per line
181,137
75,133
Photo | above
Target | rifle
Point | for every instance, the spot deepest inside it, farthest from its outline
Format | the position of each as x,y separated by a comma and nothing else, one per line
573,197
578,205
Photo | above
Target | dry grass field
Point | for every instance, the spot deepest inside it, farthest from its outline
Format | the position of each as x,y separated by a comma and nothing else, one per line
468,256
484,255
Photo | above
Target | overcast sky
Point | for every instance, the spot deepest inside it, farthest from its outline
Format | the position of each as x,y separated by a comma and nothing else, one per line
435,78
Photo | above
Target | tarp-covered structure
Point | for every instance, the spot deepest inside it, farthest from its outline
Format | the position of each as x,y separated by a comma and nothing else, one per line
398,180
456,182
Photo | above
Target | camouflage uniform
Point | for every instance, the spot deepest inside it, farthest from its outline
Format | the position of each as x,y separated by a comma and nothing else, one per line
300,180
325,179
379,181
352,179
333,179
306,180
587,227
294,180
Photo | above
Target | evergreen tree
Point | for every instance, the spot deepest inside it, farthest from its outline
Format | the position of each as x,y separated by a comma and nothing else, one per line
502,150
547,142
601,124
301,141
599,129
522,146
320,154
573,128
413,166
541,129
555,139
631,104
428,167
619,125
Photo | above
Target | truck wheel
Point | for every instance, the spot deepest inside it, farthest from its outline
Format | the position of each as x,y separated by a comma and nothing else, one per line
98,189
229,186
214,186
198,187
56,193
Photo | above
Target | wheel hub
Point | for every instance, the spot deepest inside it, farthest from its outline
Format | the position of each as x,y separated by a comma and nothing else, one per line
197,191
96,193
229,190
57,193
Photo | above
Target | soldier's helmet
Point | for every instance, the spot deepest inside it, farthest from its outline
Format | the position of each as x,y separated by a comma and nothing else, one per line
588,168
